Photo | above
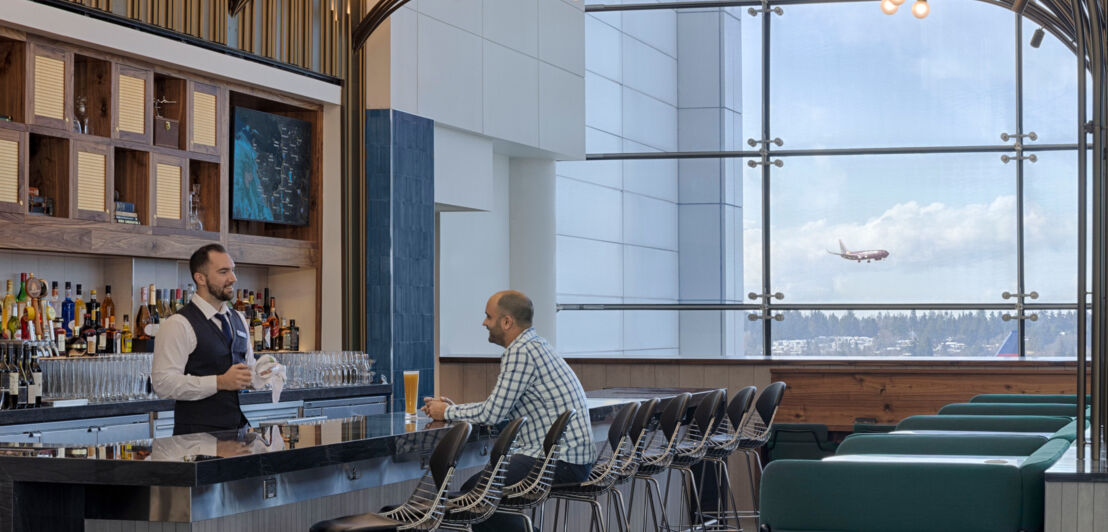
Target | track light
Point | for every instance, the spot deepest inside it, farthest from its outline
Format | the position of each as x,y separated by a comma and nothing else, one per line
1037,38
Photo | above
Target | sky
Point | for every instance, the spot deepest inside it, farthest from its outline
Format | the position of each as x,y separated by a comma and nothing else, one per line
949,220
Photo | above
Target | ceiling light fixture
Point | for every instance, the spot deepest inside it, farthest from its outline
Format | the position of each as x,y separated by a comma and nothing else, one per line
920,9
1037,38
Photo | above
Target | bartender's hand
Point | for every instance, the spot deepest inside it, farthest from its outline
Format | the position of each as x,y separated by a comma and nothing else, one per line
435,408
237,378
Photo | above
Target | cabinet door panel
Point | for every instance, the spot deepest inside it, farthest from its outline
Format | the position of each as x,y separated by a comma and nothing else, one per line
13,179
92,189
49,87
203,118
169,174
133,97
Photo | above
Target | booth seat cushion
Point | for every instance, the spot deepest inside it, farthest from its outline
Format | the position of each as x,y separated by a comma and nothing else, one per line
1068,432
808,495
968,444
985,422
1010,409
1034,489
1027,398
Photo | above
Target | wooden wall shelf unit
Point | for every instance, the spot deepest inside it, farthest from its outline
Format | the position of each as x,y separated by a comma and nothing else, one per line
61,177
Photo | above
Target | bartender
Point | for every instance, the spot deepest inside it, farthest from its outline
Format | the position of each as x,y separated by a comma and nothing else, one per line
202,354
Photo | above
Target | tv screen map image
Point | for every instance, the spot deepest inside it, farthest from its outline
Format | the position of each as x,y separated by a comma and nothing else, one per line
271,156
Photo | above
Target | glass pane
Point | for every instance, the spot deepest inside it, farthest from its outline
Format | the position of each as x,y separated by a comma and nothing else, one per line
751,77
896,229
1050,89
657,333
890,333
1050,226
1054,334
846,75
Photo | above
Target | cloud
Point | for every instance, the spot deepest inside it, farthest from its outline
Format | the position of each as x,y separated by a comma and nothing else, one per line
959,252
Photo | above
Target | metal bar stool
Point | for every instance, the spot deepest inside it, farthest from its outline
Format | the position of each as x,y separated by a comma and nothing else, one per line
424,509
755,433
478,504
690,451
726,439
602,477
523,497
625,470
656,458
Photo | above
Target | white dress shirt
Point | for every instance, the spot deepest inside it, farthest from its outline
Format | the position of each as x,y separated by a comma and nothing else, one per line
172,346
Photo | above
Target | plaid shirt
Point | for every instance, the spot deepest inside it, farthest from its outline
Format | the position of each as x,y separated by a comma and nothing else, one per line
535,382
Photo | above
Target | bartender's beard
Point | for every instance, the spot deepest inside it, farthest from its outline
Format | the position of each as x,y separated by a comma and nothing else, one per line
224,294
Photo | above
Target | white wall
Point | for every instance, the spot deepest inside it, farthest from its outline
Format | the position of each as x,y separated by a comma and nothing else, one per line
474,262
512,70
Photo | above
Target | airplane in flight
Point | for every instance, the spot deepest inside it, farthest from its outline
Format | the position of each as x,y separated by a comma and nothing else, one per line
868,255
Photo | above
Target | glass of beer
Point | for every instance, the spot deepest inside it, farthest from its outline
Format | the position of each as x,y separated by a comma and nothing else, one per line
411,393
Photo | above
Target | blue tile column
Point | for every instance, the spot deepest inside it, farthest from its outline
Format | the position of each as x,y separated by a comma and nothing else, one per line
400,247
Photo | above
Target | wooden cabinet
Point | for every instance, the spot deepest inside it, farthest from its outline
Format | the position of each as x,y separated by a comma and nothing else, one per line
90,195
134,97
49,86
13,151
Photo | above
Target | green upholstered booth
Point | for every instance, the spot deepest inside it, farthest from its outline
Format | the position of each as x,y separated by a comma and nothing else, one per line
809,495
1027,398
993,423
956,444
799,440
1010,409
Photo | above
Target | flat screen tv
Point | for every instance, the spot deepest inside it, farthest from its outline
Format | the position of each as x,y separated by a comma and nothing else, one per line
271,170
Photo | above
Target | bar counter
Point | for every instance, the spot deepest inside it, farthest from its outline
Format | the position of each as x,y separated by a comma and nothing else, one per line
209,478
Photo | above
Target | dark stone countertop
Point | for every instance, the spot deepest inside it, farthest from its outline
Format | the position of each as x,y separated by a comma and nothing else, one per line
124,408
192,460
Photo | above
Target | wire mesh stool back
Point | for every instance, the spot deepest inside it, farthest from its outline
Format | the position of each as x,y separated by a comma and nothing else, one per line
724,441
602,477
690,451
479,503
656,457
532,491
755,434
424,510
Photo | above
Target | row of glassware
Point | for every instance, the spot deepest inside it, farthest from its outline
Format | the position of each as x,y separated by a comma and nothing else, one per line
112,378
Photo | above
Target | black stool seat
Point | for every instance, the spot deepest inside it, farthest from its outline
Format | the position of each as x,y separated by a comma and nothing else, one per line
358,523
574,489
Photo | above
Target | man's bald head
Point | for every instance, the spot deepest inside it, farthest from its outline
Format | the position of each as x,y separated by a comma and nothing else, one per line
517,305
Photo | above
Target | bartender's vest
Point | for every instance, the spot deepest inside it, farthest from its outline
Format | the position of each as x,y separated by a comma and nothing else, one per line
213,356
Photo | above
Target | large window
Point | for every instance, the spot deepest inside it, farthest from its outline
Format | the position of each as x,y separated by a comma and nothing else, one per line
856,185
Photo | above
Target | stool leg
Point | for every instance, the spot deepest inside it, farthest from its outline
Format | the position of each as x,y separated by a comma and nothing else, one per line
726,473
598,517
557,511
631,503
699,513
753,488
651,481
623,524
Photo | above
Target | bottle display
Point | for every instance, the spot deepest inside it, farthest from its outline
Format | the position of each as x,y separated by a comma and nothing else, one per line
125,334
108,307
8,306
69,312
142,317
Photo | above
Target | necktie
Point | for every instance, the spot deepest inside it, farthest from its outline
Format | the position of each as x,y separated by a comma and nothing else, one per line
226,327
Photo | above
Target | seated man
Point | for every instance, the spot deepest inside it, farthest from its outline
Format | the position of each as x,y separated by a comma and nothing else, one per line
534,382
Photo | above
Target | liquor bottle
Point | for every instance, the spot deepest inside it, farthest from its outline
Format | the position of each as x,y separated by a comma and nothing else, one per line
24,382
102,336
266,302
13,322
59,335
79,309
257,331
8,303
93,310
125,334
107,310
294,336
21,297
34,291
26,325
155,316
35,394
69,312
88,334
240,305
142,317
51,304
12,373
285,336
274,323
111,337
179,302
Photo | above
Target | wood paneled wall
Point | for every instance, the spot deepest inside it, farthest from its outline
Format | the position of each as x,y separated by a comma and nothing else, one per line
833,393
